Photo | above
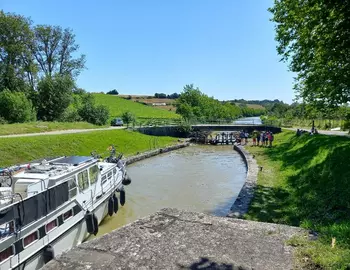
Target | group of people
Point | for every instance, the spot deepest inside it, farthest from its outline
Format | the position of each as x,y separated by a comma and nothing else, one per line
263,138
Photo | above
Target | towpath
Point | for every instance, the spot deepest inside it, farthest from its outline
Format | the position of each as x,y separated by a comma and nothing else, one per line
325,132
59,132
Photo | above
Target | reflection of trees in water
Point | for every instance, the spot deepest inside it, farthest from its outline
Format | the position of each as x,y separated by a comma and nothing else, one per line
206,264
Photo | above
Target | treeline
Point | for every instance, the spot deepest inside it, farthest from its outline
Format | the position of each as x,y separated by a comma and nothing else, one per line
301,114
195,105
264,103
162,95
39,65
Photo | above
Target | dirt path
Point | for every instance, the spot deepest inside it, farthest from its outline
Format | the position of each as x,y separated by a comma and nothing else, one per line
59,132
325,132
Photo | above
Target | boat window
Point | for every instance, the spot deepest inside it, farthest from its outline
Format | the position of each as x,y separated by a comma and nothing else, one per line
115,172
51,225
7,229
83,180
67,215
110,175
30,238
93,171
72,186
104,179
6,253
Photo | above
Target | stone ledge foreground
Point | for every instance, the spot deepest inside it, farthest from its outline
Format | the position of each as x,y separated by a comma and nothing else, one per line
175,239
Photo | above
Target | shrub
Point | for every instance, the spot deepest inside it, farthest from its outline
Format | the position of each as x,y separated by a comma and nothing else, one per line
128,117
101,115
54,96
15,107
2,120
70,115
113,92
89,112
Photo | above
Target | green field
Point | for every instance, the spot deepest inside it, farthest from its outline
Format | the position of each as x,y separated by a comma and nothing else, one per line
35,127
23,149
306,182
117,106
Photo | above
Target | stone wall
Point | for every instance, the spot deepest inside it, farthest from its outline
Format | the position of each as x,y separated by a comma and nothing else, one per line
176,239
241,205
155,152
173,131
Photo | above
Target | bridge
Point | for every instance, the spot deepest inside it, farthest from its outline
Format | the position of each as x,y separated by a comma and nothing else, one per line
231,127
178,131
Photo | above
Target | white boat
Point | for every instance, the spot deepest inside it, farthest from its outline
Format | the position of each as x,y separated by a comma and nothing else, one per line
51,206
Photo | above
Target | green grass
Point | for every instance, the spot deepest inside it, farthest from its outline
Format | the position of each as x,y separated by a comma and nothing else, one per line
306,182
24,149
34,127
321,124
119,105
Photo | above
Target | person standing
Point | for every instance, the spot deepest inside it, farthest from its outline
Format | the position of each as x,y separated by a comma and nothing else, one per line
271,139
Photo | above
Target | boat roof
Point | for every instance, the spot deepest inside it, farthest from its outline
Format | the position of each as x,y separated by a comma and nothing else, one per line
55,168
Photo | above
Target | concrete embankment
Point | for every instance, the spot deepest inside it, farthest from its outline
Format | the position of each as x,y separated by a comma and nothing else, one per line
175,239
241,205
152,153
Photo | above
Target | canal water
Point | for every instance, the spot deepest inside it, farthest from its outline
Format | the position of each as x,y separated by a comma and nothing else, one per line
199,178
248,121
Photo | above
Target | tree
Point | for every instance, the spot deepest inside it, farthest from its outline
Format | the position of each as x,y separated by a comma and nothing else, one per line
15,107
92,113
314,38
128,118
54,49
160,95
54,96
17,67
193,104
113,92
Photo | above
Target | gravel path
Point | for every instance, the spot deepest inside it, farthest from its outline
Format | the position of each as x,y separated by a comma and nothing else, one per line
58,132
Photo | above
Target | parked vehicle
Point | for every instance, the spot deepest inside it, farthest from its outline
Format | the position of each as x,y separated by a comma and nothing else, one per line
117,122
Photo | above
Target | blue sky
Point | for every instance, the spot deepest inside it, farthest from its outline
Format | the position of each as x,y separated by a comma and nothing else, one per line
224,47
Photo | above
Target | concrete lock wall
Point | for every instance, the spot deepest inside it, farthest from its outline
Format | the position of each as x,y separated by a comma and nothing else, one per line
246,128
176,131
173,131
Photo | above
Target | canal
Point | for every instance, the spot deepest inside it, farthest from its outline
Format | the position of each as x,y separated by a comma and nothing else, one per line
255,120
199,178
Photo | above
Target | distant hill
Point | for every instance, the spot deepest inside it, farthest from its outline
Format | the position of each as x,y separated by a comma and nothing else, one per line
266,103
161,103
118,105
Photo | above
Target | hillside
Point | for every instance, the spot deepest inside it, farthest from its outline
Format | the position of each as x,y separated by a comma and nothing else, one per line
119,105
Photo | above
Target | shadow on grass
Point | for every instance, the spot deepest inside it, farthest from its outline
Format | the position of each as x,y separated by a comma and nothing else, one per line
272,205
317,192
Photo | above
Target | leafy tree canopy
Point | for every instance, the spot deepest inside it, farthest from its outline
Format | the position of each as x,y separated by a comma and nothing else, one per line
314,38
113,92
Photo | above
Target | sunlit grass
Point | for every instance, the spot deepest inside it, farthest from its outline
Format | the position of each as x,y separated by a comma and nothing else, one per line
24,149
117,106
306,182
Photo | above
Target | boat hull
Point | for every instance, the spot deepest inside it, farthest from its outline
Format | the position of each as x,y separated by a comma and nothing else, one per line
66,240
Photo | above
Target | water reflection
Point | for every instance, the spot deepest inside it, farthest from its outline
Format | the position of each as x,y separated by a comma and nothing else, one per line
199,178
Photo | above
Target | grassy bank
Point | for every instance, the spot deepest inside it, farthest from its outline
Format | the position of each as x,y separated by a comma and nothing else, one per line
22,149
321,124
306,182
34,127
117,106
